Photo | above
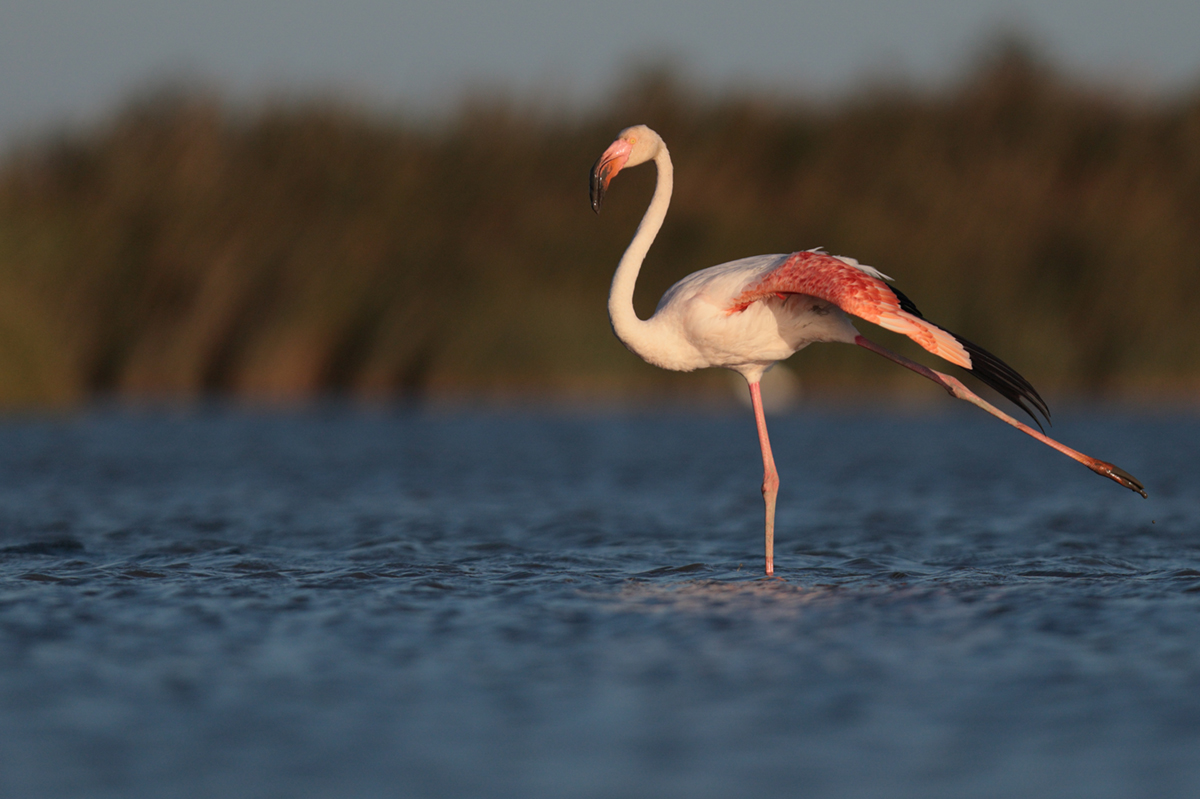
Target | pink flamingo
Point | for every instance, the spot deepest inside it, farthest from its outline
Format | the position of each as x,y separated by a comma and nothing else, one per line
747,314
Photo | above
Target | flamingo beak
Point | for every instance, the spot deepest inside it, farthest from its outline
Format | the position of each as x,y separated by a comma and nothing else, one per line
606,168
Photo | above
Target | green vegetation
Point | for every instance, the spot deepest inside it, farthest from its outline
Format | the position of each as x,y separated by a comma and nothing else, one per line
186,249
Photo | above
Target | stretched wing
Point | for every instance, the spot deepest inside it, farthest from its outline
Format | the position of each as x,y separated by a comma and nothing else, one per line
861,291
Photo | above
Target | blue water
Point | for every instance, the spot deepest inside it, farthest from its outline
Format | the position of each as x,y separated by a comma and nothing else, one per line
353,603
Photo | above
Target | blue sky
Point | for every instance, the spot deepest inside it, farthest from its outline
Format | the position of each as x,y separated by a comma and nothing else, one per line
73,61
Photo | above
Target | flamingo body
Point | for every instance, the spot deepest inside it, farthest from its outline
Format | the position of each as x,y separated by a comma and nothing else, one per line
700,325
746,315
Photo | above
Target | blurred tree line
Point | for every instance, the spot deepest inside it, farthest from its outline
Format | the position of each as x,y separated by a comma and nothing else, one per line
186,249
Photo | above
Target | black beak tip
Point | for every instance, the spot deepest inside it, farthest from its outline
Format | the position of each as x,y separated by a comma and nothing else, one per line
597,192
596,187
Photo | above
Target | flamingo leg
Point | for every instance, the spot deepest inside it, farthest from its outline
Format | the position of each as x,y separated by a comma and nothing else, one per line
958,390
770,486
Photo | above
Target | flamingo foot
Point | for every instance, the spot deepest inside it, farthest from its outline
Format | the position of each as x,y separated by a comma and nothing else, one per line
1119,475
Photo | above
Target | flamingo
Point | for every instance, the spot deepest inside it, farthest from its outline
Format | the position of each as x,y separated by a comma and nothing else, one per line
746,315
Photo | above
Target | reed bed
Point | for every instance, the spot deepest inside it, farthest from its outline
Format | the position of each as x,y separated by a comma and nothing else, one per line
187,249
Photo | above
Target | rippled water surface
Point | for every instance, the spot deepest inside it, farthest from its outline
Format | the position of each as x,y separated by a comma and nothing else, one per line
349,603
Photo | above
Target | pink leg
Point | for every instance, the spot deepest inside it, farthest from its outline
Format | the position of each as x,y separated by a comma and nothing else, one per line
957,389
770,486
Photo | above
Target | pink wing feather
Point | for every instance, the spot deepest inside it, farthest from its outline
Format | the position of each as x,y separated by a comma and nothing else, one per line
818,274
863,294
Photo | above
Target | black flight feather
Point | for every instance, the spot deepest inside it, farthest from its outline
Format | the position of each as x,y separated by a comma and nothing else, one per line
991,370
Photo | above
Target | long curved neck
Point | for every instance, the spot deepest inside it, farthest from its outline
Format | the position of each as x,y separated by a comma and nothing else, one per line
634,332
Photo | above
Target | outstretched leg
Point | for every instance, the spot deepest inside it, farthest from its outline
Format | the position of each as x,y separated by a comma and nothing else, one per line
770,486
957,389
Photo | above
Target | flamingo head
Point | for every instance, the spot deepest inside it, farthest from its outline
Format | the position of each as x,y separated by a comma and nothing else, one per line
635,145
